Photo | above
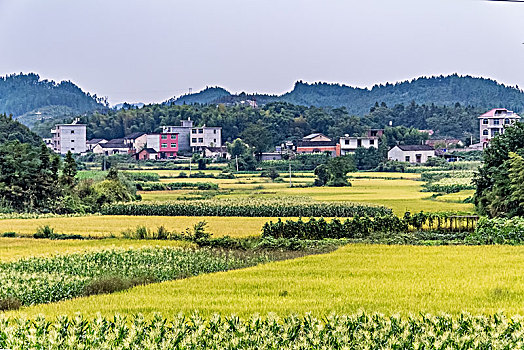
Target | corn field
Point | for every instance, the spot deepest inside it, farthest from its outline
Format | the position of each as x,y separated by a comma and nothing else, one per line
361,331
42,280
278,207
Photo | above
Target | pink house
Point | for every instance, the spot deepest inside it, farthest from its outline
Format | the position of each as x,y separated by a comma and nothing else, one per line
166,144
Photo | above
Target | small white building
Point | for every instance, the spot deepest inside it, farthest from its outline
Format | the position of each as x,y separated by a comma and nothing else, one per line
136,141
109,148
91,144
69,137
350,144
411,153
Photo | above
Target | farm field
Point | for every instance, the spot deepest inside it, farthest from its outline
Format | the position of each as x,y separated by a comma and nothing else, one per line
373,278
107,225
12,249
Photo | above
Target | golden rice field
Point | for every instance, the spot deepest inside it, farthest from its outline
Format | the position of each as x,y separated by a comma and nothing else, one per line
17,248
105,226
386,279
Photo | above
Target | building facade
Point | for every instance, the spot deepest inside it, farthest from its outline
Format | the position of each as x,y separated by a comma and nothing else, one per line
191,139
349,144
69,137
165,144
492,123
411,153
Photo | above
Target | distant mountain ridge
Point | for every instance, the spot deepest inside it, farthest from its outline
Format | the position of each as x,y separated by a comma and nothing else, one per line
438,90
28,98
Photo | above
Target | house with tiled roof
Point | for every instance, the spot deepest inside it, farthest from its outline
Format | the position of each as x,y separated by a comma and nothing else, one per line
411,153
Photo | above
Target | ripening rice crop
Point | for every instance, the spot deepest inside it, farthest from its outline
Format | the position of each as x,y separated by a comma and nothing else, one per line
360,331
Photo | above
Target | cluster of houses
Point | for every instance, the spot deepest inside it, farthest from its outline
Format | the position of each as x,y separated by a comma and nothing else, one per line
151,146
187,138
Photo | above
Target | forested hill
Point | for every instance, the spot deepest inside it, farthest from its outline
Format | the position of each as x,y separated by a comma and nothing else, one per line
208,95
441,91
27,97
11,130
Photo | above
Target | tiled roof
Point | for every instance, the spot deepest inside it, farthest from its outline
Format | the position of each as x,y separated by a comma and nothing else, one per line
415,147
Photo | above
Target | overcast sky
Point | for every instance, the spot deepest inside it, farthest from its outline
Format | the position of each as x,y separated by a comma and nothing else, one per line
150,50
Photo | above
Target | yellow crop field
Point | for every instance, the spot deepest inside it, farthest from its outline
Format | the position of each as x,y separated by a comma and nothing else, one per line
456,197
16,248
103,226
386,279
399,195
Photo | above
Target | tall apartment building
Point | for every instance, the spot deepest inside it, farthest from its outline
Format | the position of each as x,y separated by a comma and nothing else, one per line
69,137
493,123
192,138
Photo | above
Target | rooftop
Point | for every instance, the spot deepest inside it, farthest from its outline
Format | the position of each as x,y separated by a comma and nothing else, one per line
415,147
499,112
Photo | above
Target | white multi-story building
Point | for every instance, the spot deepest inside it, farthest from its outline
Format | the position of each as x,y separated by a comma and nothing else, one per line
192,138
69,137
492,123
350,144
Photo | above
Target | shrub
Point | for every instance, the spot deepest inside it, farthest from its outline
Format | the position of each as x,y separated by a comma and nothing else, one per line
44,232
10,303
9,234
498,231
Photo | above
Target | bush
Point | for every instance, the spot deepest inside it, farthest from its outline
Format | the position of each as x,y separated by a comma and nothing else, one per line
9,234
498,231
142,176
113,284
10,303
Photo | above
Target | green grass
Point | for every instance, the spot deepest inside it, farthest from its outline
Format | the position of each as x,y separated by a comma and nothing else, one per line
373,278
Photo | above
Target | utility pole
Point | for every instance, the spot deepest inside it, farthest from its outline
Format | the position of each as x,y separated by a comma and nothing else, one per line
189,167
236,161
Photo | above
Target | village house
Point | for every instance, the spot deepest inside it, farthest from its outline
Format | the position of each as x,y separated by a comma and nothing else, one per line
317,143
146,154
69,137
216,152
165,144
411,153
492,123
91,144
111,147
135,141
192,139
349,144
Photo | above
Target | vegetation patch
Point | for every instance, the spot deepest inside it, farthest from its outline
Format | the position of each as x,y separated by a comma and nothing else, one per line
358,331
269,207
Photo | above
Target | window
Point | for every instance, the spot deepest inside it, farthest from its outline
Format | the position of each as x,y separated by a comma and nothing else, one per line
200,131
496,121
193,139
214,131
194,131
506,121
164,145
72,148
371,142
72,131
359,143
72,140
346,142
200,140
407,158
164,137
214,140
173,145
485,121
485,132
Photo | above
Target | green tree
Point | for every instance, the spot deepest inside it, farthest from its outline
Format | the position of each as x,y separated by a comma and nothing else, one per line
494,193
69,171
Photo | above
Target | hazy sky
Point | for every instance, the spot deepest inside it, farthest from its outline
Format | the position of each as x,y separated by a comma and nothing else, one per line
150,50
